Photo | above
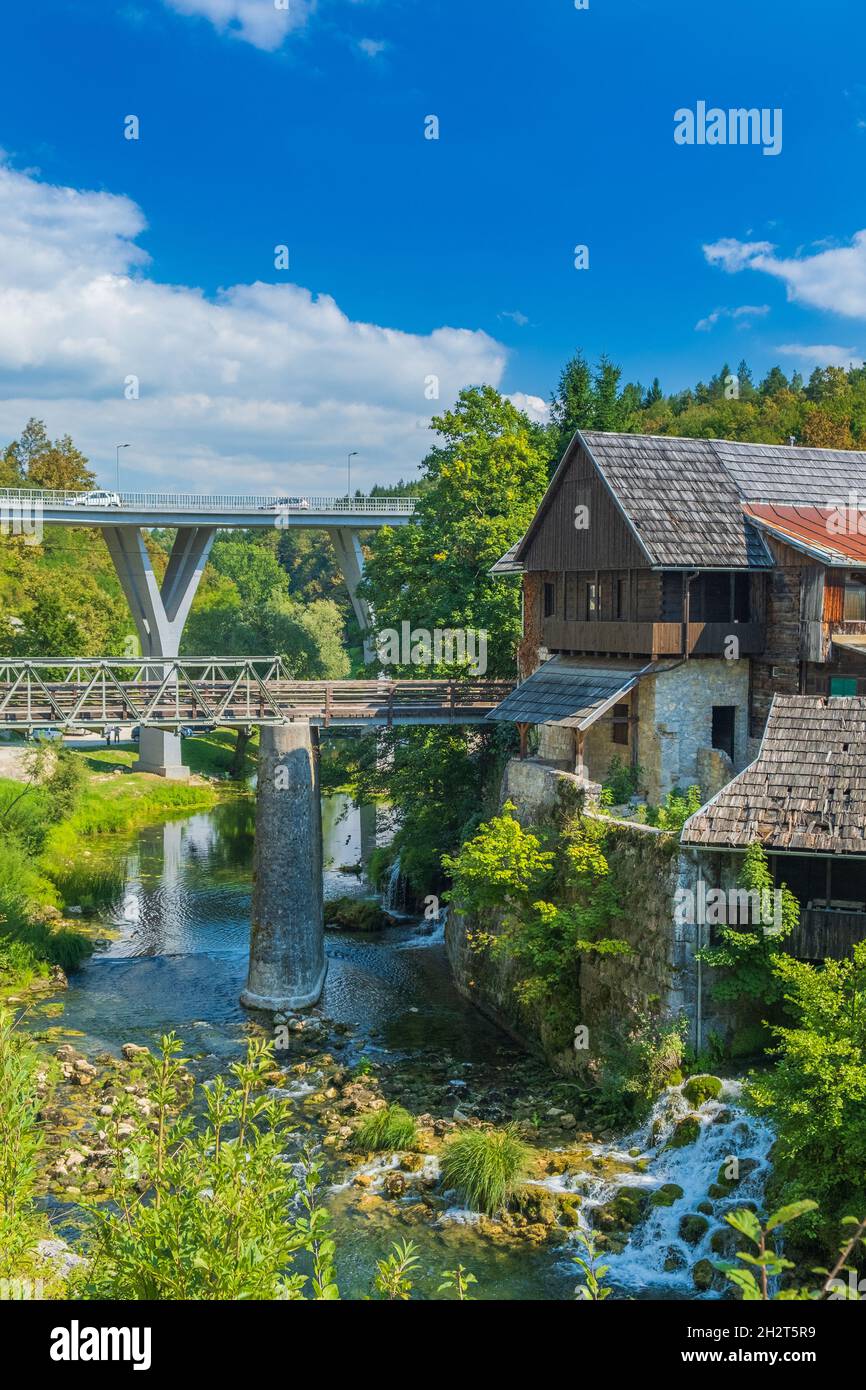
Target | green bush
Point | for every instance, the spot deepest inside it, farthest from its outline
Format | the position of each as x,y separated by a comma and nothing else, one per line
486,1166
392,1127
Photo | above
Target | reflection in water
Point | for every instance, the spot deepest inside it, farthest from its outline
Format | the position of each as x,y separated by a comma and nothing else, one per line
179,958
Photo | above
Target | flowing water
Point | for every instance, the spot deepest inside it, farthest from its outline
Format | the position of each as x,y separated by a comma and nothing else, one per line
176,959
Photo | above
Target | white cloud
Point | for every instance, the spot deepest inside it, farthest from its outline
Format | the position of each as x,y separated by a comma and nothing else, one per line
733,255
833,279
533,406
258,22
516,317
824,354
259,386
742,311
372,47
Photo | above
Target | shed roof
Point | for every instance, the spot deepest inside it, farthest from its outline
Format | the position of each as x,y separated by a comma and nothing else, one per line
805,793
569,691
829,534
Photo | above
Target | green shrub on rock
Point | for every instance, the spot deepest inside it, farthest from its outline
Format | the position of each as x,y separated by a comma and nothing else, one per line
486,1166
390,1128
699,1089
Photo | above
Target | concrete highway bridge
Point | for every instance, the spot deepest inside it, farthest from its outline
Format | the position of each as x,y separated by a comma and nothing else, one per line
160,611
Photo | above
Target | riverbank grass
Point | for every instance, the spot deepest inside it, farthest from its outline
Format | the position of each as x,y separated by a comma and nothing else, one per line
486,1166
391,1128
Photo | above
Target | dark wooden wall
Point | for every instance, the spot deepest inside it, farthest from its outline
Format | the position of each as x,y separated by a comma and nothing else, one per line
607,542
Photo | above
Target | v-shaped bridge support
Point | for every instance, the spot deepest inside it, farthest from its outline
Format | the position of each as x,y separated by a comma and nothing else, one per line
159,613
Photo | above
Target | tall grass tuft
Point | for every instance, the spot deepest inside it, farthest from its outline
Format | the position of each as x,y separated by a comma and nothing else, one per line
20,1141
389,1128
486,1166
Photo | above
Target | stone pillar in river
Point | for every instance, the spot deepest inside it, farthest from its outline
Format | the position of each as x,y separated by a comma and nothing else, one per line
287,940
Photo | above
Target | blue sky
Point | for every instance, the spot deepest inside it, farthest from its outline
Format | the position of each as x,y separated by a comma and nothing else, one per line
408,257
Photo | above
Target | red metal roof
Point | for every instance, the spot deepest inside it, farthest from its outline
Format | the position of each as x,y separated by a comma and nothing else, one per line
836,535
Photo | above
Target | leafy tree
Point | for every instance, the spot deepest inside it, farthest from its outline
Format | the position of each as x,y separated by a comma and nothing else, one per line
750,958
815,1095
39,463
483,484
504,869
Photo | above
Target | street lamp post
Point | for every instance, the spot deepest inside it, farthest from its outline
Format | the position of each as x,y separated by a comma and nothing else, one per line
117,449
349,457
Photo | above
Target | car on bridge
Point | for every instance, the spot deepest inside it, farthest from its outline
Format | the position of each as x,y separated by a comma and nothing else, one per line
98,498
279,504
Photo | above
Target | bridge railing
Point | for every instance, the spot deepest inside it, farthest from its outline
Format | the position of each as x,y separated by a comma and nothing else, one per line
79,693
208,502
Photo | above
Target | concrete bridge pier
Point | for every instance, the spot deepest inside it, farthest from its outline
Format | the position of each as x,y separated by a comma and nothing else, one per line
159,613
287,940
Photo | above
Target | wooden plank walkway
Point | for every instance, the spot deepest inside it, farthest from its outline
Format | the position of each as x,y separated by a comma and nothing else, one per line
161,693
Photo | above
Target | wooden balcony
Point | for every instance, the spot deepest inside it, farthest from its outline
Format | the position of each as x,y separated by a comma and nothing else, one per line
651,639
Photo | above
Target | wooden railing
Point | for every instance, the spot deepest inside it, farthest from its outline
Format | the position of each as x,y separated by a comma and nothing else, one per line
651,638
79,694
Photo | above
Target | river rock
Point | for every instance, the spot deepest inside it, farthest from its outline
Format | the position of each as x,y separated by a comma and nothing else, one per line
666,1195
132,1050
685,1132
693,1228
701,1088
703,1274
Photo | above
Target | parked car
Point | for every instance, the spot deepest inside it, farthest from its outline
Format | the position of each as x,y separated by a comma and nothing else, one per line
48,733
98,498
190,730
279,504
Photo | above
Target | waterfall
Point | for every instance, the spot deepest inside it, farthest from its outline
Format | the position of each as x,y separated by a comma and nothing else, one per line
394,897
656,1255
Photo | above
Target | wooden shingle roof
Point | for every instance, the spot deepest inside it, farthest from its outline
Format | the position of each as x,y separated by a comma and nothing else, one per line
683,499
679,500
806,791
569,691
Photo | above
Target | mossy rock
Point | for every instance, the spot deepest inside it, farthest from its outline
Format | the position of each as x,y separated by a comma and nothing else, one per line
356,914
674,1261
536,1204
746,1166
569,1209
703,1275
701,1088
625,1209
705,1208
725,1241
685,1132
716,1191
666,1196
693,1228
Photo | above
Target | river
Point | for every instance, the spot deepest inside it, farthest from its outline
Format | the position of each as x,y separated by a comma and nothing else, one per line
175,958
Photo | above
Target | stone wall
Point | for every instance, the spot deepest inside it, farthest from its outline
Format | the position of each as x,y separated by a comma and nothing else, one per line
656,978
674,730
676,721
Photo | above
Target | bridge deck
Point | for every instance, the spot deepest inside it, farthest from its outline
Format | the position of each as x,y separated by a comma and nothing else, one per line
171,509
194,693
